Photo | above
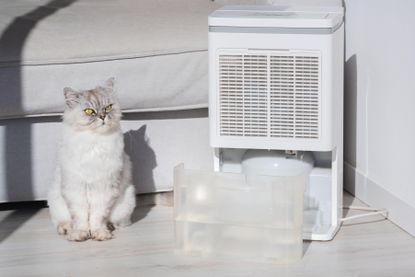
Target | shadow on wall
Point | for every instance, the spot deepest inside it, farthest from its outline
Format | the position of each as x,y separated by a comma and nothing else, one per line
143,161
350,114
17,139
350,120
18,159
12,43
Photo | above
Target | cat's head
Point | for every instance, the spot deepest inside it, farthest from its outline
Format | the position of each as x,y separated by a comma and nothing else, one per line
95,110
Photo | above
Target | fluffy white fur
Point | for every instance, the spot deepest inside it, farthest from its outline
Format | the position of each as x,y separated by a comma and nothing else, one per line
92,187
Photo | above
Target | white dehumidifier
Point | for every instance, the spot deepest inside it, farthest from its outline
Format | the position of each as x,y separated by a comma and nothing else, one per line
276,96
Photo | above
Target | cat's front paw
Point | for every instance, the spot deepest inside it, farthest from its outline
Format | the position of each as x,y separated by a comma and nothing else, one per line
101,234
77,235
63,228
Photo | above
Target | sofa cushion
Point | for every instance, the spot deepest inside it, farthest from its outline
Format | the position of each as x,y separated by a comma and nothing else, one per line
156,49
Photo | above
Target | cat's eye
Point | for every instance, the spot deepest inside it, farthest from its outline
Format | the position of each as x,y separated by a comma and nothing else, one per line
89,111
108,108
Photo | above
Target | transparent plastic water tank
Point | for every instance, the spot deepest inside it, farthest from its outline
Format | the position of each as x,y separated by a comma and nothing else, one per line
222,215
318,189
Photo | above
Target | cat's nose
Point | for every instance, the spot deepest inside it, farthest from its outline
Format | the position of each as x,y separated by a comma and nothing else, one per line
102,116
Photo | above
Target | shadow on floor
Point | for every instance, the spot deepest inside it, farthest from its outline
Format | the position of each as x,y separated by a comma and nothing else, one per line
140,212
20,212
306,246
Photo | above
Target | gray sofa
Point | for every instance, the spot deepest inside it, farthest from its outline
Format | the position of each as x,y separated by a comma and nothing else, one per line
155,49
157,52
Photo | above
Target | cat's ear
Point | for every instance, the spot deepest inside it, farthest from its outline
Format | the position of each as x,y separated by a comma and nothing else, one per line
71,97
110,83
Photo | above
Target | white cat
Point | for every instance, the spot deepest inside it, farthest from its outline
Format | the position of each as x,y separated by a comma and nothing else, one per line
92,189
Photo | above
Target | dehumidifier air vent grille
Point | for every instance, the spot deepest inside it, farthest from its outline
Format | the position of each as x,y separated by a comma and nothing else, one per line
269,95
294,96
243,95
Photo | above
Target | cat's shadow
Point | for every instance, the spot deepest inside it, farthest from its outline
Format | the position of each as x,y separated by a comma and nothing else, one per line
143,161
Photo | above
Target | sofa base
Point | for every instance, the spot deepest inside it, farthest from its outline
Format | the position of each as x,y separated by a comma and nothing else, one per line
155,141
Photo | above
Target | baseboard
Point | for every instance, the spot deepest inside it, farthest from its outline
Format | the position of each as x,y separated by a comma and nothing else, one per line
164,198
374,195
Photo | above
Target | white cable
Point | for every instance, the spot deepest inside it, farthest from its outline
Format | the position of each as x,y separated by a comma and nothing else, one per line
374,211
361,208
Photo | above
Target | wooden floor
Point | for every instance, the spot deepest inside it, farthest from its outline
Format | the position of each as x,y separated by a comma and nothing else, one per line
29,246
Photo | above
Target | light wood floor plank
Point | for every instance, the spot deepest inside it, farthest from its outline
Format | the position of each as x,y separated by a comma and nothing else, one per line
31,247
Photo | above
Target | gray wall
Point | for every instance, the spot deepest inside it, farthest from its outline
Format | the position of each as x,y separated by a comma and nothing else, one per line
380,106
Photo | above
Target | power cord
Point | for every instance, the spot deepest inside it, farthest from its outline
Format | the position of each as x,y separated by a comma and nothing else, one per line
373,211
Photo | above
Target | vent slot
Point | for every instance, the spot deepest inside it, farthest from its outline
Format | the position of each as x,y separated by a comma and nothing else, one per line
274,95
243,97
294,96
